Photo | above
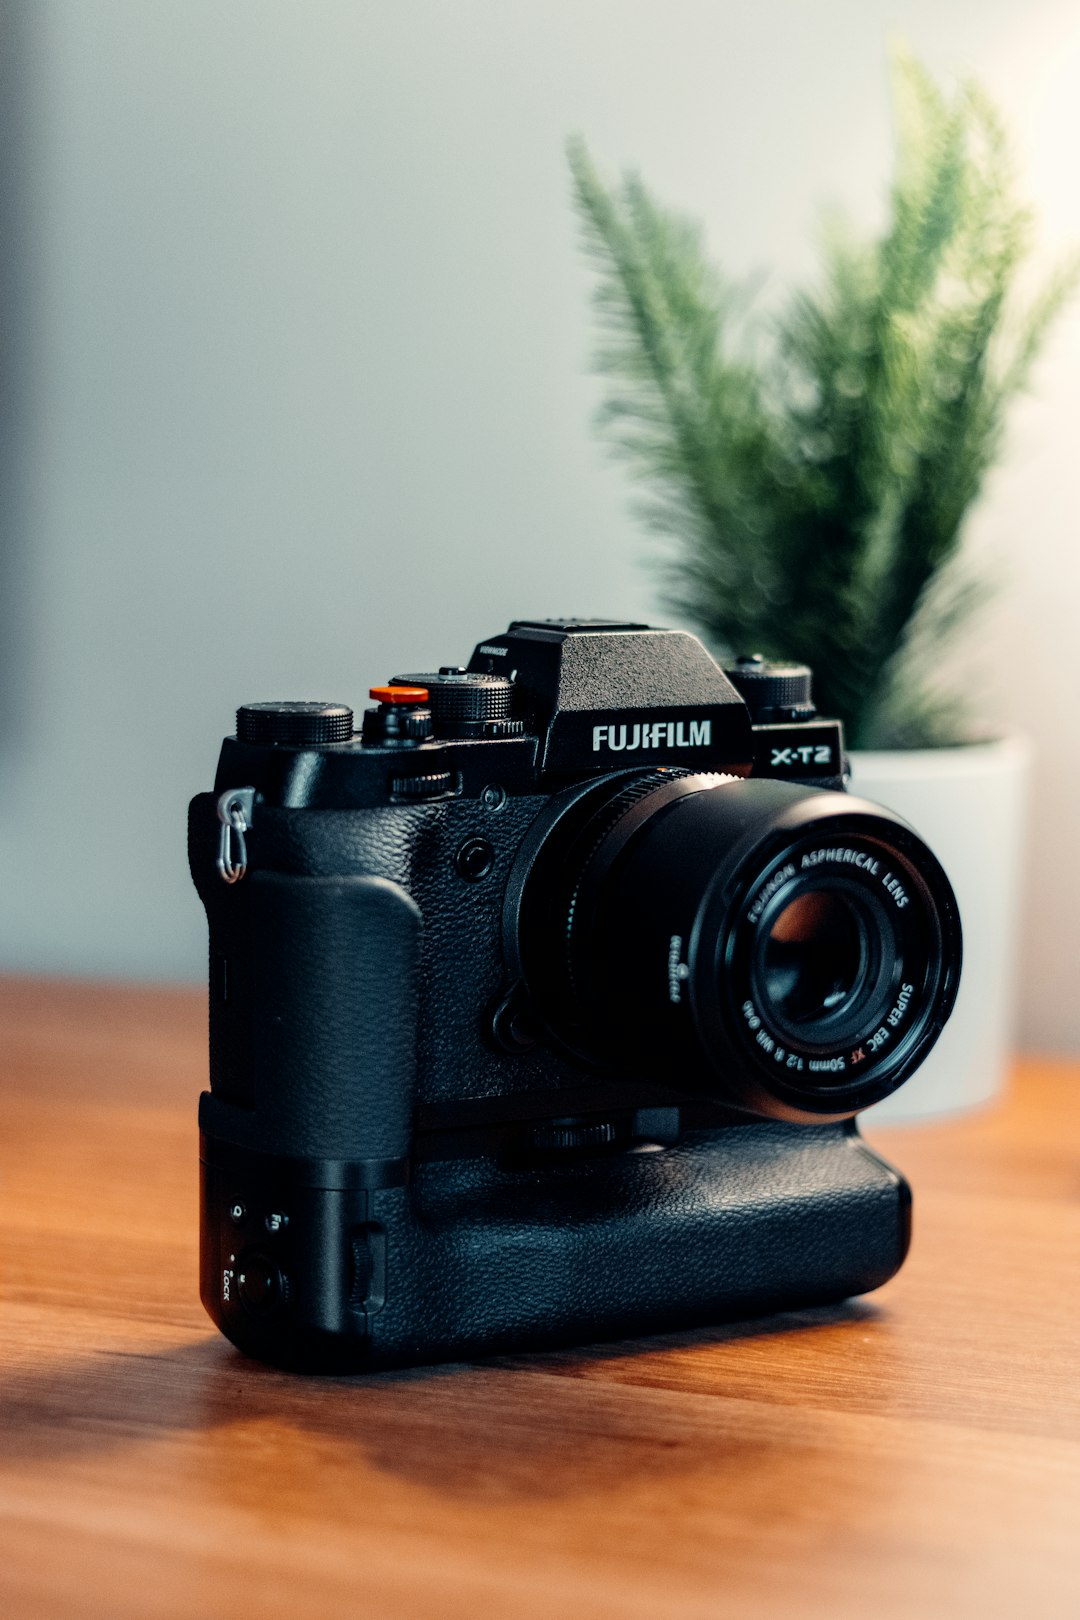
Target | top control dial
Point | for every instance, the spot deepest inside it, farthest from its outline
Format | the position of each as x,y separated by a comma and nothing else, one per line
297,724
467,704
772,692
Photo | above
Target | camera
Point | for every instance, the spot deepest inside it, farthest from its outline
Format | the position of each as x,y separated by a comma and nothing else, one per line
541,1007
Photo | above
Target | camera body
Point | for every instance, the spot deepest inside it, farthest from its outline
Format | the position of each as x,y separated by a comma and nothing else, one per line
541,1009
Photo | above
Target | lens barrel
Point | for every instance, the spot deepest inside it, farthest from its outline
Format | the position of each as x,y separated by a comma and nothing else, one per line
787,950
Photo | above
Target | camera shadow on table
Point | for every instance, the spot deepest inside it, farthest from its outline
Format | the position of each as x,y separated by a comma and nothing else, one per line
529,1426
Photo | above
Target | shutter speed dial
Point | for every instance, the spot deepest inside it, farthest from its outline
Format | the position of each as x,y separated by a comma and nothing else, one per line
467,704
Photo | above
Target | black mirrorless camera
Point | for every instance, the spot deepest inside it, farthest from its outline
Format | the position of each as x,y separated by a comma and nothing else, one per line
540,1009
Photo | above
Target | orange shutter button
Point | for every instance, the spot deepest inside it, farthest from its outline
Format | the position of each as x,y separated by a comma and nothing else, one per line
402,719
399,694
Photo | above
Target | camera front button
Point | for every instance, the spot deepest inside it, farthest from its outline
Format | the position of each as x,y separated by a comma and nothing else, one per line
475,859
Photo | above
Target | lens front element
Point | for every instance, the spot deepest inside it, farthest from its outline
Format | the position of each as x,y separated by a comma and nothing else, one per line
836,954
814,961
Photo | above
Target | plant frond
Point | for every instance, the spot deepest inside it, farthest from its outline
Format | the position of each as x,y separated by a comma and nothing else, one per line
810,472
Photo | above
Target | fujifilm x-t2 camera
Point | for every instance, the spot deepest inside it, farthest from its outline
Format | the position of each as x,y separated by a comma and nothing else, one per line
542,1006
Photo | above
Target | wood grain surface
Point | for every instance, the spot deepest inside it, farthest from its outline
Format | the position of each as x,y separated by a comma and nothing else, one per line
916,1453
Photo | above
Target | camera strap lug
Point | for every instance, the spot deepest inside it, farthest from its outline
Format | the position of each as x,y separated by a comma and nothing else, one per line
234,808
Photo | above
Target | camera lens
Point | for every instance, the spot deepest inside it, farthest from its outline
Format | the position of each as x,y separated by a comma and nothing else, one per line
792,951
823,962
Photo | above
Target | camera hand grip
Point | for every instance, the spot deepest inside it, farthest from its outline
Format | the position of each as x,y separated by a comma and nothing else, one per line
318,1024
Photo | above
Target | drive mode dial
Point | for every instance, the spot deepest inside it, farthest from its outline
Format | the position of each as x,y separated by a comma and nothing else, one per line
300,725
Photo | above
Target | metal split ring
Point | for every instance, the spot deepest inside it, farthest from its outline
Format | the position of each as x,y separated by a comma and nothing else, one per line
234,809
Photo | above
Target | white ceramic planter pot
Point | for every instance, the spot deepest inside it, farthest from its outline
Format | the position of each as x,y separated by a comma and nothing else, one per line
968,803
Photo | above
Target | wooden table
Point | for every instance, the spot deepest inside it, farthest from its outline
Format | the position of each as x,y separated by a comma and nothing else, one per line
914,1454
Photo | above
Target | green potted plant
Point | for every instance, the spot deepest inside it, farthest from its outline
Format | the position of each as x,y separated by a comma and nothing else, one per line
810,469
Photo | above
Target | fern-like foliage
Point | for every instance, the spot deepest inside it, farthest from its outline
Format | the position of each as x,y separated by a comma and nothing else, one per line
813,469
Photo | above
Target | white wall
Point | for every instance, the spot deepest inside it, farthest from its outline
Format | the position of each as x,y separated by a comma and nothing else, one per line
303,395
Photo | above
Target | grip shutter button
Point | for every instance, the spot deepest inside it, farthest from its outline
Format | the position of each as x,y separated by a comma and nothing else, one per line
297,725
262,1287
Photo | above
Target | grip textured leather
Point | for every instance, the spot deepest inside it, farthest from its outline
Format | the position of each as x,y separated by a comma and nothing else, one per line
324,1012
479,1259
